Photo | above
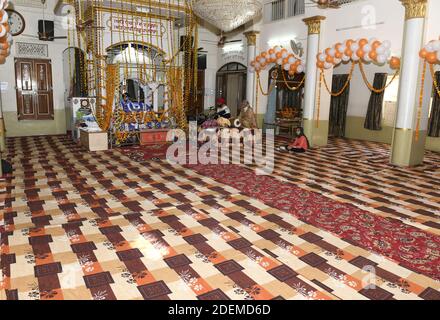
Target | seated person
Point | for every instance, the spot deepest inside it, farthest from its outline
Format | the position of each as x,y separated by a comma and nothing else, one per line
247,116
223,110
299,145
126,102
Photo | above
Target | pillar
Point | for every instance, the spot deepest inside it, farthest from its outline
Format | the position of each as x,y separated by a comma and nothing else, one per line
408,148
316,131
251,37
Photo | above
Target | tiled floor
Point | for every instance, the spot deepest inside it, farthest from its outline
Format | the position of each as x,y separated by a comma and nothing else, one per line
101,226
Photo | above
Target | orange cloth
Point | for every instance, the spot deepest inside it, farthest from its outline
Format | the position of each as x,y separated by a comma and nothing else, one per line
299,143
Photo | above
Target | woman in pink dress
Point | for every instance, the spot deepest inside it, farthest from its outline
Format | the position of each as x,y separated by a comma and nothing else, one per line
299,145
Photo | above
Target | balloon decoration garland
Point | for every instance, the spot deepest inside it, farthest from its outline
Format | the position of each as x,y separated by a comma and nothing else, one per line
5,35
430,54
358,52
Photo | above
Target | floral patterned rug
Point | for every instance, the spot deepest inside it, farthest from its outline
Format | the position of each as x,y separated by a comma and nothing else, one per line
411,247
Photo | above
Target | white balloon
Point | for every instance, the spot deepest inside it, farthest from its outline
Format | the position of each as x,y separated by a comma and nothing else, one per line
303,63
332,52
367,58
430,47
322,57
328,65
273,56
262,60
387,44
257,65
355,47
284,55
381,50
342,48
2,31
436,45
337,61
367,48
355,57
300,68
381,59
287,67
277,49
4,17
345,58
292,60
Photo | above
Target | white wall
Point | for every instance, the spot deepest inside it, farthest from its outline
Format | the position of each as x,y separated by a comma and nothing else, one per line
7,75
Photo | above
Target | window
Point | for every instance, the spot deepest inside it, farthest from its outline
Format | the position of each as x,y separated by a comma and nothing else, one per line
276,10
390,102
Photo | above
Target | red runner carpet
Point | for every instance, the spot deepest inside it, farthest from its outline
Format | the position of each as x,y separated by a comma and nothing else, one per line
412,248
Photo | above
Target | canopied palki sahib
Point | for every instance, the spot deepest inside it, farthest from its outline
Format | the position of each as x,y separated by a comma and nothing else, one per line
219,150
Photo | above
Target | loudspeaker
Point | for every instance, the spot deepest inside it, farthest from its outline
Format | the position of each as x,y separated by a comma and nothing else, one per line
46,30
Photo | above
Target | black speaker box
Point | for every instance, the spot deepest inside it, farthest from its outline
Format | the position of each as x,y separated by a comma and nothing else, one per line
46,30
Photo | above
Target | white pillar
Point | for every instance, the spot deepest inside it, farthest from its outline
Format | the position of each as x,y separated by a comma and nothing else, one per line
251,37
408,147
310,88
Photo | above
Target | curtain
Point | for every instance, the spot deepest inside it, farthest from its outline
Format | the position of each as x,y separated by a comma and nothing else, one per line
373,120
339,106
434,120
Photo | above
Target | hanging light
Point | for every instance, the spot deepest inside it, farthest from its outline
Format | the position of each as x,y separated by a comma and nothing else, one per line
227,15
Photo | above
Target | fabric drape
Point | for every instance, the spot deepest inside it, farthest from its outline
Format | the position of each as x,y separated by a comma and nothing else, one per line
339,106
373,120
434,119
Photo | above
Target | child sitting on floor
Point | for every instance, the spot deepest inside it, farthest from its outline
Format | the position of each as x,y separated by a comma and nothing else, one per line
299,145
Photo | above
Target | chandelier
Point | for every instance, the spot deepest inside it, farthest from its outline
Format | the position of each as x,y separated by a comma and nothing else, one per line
227,15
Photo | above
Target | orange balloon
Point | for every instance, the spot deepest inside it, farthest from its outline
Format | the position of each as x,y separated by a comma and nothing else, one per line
283,50
349,43
363,42
285,60
327,51
7,27
297,63
376,44
320,64
360,53
423,53
395,63
264,54
262,65
373,54
4,45
258,58
291,73
431,57
279,55
338,55
337,46
348,52
293,67
329,59
271,51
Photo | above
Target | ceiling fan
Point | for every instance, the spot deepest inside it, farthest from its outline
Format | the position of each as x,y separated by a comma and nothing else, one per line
326,4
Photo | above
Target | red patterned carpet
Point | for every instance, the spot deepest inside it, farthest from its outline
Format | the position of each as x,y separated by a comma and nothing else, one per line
412,248
142,153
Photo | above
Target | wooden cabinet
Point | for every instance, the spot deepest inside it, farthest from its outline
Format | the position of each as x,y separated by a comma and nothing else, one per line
158,136
94,141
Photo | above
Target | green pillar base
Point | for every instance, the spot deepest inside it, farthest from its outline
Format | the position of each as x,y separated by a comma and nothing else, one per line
406,150
317,134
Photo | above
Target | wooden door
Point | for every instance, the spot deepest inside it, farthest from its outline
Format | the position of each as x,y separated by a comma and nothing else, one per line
34,89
